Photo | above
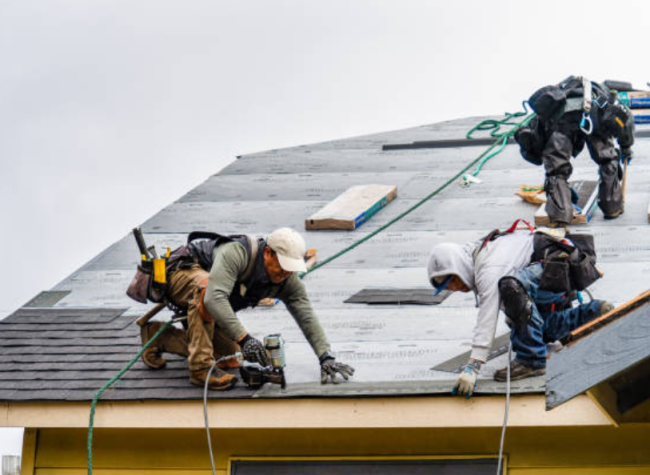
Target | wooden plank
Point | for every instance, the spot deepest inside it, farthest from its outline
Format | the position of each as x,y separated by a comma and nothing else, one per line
588,192
605,398
28,461
352,208
609,317
603,355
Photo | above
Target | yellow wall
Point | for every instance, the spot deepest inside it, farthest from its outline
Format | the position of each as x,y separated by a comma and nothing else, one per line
531,451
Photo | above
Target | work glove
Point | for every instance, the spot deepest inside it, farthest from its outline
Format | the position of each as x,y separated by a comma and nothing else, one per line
466,382
253,350
626,155
329,367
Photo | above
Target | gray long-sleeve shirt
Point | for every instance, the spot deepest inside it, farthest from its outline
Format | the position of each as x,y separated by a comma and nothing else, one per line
229,264
504,256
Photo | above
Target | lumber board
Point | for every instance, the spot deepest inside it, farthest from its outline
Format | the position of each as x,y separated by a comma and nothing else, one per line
609,317
352,208
588,192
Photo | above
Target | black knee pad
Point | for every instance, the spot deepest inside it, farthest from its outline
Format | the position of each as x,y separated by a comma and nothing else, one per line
517,305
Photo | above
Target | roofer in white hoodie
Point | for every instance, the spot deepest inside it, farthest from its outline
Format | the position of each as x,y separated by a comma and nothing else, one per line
463,268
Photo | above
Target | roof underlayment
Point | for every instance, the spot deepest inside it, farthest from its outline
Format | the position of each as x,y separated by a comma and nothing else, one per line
64,346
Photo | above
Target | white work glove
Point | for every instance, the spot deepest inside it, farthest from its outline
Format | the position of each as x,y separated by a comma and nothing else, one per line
466,382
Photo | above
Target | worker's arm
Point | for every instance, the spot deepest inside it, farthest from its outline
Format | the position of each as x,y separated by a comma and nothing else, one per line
486,281
294,296
230,261
487,286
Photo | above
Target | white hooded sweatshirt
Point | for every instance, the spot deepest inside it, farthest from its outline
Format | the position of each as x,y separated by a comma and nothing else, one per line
506,255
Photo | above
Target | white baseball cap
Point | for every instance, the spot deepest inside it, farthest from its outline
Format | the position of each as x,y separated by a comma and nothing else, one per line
290,247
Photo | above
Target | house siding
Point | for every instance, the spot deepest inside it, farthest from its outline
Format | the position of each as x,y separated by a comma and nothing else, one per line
529,450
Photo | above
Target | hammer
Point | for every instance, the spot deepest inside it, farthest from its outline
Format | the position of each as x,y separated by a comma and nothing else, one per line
144,319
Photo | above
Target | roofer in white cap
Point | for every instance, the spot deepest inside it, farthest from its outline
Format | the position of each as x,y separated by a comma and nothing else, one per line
213,276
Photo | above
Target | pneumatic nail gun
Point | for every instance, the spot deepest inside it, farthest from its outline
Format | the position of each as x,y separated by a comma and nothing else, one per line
255,375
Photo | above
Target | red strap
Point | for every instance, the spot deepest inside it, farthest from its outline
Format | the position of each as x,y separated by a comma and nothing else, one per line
516,223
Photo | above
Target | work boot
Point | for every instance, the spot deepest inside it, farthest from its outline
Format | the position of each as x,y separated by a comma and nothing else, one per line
153,359
516,303
152,356
614,214
517,371
605,307
219,379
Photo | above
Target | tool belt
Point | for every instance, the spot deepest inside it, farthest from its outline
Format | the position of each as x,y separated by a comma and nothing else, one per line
149,282
568,264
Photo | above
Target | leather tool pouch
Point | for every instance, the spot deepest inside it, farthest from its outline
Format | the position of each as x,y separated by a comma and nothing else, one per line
143,287
583,270
555,276
566,267
583,261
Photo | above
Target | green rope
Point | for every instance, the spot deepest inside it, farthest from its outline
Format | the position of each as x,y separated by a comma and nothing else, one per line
495,127
488,153
502,139
107,385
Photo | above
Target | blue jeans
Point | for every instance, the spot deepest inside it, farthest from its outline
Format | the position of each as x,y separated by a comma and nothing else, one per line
547,326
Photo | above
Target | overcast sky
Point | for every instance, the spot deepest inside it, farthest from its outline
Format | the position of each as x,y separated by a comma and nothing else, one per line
111,110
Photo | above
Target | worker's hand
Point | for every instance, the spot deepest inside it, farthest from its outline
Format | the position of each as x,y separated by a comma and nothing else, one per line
253,350
466,382
329,367
626,155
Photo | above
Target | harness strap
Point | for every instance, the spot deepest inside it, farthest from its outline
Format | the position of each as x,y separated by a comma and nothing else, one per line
254,246
496,233
512,228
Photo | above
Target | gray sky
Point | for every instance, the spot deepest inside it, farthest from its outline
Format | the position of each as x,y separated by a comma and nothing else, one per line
111,110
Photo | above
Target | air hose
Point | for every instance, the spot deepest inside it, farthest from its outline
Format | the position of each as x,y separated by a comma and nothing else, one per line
93,404
500,142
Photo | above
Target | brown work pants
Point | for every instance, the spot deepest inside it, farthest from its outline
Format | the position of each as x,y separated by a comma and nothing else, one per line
204,342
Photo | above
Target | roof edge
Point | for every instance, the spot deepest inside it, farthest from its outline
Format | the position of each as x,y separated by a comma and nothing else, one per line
404,412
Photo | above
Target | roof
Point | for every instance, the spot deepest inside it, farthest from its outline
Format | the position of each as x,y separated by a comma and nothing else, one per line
614,358
68,342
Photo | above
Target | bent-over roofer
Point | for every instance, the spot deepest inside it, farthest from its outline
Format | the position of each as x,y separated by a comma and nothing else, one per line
501,270
569,114
217,276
